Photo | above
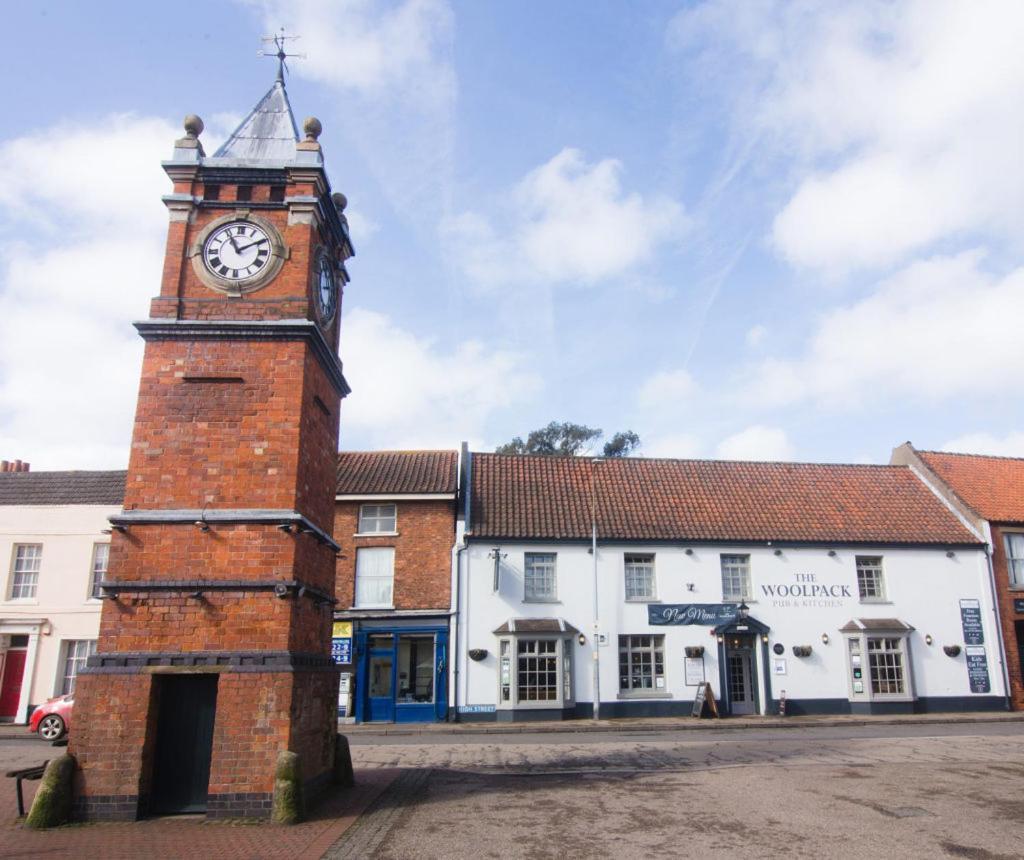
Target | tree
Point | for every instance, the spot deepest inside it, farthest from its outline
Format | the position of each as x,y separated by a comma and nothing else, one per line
566,439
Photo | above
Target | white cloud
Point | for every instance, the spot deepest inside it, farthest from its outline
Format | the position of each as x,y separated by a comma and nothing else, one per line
1010,445
675,445
898,124
411,392
939,328
756,442
83,205
666,389
566,221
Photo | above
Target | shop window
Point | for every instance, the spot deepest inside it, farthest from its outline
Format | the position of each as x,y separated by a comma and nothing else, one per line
375,576
535,672
641,663
378,519
25,575
100,560
640,576
539,576
76,652
736,578
1015,558
870,583
879,667
415,670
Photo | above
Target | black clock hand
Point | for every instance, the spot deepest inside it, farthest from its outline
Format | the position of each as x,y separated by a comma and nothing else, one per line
246,247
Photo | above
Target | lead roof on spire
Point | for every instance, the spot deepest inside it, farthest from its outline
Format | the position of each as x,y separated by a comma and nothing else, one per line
268,133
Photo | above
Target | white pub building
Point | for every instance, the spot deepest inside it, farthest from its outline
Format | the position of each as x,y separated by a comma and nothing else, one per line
823,589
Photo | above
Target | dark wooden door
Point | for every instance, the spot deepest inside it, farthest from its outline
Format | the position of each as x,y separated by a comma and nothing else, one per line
10,686
184,743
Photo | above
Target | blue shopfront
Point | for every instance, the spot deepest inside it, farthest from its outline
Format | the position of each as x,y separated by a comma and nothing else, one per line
401,673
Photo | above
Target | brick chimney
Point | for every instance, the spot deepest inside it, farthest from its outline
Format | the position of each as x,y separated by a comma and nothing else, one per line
13,466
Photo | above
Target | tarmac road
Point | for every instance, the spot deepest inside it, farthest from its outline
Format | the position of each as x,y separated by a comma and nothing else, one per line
952,790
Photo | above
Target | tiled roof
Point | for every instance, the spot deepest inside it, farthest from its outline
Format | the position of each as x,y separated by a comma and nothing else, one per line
992,486
397,472
639,499
62,488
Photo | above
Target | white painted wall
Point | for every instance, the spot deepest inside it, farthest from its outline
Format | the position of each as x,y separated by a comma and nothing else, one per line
923,588
63,608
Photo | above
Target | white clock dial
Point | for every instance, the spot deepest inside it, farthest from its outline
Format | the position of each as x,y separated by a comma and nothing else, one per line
326,294
237,251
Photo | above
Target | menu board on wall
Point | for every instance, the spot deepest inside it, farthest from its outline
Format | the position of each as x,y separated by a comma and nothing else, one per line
970,618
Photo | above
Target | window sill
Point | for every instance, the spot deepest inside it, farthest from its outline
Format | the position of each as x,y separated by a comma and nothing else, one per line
642,600
875,601
541,600
746,600
375,608
375,534
644,694
23,601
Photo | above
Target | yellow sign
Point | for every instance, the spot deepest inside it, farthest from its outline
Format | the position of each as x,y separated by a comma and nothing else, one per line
342,630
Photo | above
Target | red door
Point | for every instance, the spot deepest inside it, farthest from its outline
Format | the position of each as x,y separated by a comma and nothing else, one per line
10,687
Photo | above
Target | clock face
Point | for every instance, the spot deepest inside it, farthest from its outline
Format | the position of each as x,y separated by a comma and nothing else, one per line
326,293
237,251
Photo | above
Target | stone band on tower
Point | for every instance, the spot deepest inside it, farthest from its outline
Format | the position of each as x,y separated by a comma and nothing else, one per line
214,647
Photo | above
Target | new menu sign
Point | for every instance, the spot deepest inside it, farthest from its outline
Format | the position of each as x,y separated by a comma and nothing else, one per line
708,614
977,669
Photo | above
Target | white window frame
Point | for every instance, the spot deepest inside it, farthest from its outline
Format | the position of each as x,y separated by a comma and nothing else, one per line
372,517
100,552
638,569
535,561
508,672
73,655
632,644
365,552
871,565
859,644
25,571
1014,564
731,563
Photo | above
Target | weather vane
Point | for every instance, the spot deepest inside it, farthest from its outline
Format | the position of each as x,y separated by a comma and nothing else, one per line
279,40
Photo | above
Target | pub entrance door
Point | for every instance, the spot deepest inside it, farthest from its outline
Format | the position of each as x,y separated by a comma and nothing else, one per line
740,675
184,742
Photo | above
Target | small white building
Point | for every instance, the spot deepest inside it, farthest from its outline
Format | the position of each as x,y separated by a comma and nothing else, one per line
54,543
834,588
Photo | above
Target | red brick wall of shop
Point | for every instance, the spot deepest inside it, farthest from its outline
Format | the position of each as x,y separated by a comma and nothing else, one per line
1007,617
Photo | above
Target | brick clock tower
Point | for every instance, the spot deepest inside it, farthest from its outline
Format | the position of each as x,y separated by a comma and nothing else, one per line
214,646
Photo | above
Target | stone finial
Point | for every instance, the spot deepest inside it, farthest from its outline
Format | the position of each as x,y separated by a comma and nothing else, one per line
193,128
340,201
313,128
193,125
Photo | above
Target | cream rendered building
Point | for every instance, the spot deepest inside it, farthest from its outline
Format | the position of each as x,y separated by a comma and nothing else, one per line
54,542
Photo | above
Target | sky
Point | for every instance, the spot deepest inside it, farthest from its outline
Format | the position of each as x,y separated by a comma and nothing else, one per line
745,230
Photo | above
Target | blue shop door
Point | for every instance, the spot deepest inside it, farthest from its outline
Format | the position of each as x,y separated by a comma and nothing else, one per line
380,679
422,677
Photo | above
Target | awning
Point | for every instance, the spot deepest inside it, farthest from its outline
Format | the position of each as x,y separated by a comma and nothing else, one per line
536,625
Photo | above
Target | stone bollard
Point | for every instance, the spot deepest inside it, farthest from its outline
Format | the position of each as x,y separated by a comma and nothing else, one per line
343,772
288,801
52,804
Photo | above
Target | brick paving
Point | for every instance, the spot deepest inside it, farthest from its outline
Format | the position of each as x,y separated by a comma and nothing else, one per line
192,837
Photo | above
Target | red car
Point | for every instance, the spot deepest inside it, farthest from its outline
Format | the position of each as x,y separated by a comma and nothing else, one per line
52,719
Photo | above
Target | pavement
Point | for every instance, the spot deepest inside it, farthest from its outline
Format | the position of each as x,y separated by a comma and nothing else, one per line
922,785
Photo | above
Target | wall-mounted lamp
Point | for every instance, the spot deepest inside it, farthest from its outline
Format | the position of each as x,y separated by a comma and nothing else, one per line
202,525
742,611
690,586
951,650
832,553
950,554
721,639
764,638
581,639
928,639
824,639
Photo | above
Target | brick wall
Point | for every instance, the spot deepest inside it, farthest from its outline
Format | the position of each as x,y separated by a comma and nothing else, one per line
1005,597
423,553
